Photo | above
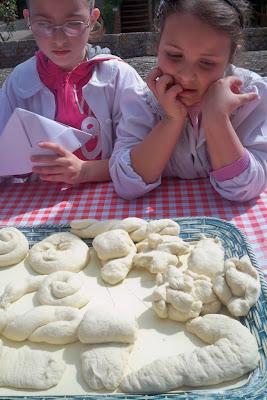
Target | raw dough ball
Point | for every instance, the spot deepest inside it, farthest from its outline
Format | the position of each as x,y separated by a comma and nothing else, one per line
13,246
103,323
61,251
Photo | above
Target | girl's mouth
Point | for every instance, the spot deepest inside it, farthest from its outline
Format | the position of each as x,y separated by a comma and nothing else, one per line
60,53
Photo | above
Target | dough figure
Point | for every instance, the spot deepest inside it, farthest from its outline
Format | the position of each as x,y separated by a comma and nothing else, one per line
59,252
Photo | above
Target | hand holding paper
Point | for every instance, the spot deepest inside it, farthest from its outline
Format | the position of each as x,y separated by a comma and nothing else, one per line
22,134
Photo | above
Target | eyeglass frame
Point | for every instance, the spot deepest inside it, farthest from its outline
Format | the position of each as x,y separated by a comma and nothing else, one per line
56,27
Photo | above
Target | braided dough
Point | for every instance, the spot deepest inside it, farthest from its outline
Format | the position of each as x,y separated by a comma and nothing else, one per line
15,290
231,352
63,288
137,228
103,365
239,287
103,323
48,324
59,252
13,246
29,369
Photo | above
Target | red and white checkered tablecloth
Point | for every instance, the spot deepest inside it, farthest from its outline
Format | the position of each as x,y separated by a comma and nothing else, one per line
48,203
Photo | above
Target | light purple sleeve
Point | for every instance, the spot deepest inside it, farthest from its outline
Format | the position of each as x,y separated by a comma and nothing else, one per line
135,121
250,123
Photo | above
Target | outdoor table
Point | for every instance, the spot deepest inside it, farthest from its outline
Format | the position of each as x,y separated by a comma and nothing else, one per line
31,204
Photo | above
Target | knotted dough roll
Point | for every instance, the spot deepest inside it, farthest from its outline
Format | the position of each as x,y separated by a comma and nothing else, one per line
61,251
13,246
239,287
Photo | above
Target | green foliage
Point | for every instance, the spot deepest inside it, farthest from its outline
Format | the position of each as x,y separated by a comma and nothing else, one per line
108,13
8,14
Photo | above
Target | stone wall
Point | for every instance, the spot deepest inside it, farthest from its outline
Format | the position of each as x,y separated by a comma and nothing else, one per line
126,45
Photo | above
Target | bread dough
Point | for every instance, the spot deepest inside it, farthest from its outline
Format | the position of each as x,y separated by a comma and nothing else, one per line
112,244
207,258
104,322
114,271
13,246
170,244
239,287
103,365
63,288
154,261
138,228
16,289
61,251
183,295
115,250
48,324
29,369
232,352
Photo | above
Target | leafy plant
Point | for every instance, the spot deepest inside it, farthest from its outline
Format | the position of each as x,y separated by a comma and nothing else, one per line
108,12
8,14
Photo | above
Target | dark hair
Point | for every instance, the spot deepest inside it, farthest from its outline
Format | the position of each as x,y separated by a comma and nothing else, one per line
228,16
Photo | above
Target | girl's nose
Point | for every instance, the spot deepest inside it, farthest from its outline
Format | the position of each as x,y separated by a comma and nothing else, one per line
186,74
59,36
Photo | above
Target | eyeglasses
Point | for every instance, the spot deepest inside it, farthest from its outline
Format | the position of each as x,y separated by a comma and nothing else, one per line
47,29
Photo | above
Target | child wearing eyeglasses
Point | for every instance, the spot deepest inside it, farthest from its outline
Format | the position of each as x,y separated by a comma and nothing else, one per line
212,116
65,81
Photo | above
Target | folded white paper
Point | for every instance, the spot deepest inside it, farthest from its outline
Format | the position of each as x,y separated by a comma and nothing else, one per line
22,133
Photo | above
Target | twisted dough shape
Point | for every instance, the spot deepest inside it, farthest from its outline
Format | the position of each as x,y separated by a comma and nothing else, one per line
13,246
13,291
49,324
138,228
232,352
63,288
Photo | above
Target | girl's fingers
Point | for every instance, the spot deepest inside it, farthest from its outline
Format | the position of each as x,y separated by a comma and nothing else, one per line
164,83
174,91
54,147
45,170
246,97
52,178
152,77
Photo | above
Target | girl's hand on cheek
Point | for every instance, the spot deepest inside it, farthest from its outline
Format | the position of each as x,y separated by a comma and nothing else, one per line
61,167
166,92
224,96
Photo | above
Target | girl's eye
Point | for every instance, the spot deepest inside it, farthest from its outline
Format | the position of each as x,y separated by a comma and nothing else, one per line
174,56
207,64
